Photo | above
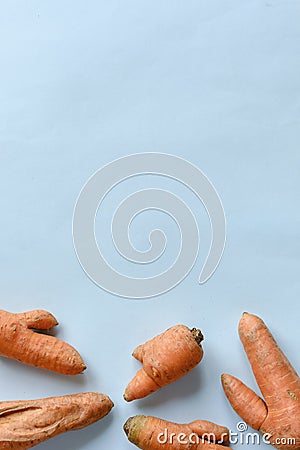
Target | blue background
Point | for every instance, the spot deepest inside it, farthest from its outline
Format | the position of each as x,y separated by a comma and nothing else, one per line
83,83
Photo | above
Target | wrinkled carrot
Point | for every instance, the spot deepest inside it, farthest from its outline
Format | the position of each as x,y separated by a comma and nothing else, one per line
152,433
165,358
278,414
26,423
19,341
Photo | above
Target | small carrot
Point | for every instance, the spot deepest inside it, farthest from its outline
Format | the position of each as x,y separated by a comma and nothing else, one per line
165,358
19,341
26,423
152,433
278,415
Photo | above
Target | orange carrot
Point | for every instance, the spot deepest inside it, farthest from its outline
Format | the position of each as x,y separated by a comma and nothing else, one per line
26,423
165,358
19,341
279,414
152,433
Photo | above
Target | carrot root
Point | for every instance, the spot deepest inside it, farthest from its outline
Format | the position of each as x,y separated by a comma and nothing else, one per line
37,319
245,401
140,386
26,423
279,415
19,341
165,358
152,433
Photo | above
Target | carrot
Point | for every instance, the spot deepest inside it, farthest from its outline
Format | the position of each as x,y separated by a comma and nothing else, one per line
19,341
26,423
165,358
278,415
152,433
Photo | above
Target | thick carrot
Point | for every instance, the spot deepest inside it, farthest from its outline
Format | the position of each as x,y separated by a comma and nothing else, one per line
26,423
19,341
279,414
165,358
152,433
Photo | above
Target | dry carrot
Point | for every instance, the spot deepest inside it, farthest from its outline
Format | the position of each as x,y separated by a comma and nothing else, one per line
26,423
279,414
19,341
165,358
152,433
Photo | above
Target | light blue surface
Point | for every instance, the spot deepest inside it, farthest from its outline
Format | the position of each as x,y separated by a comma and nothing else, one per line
214,82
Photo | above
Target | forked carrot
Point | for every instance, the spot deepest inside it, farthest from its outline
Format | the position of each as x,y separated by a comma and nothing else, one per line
278,415
165,358
152,433
19,341
26,423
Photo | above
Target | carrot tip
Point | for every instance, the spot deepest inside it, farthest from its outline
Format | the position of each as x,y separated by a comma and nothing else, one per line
133,428
224,380
125,396
127,424
197,335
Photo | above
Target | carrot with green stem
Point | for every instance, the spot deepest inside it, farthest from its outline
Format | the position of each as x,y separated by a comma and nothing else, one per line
26,423
152,433
278,415
19,341
165,358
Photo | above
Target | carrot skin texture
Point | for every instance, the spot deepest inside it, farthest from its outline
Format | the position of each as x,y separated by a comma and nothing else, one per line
271,368
165,358
277,380
244,401
152,433
18,341
26,423
37,319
